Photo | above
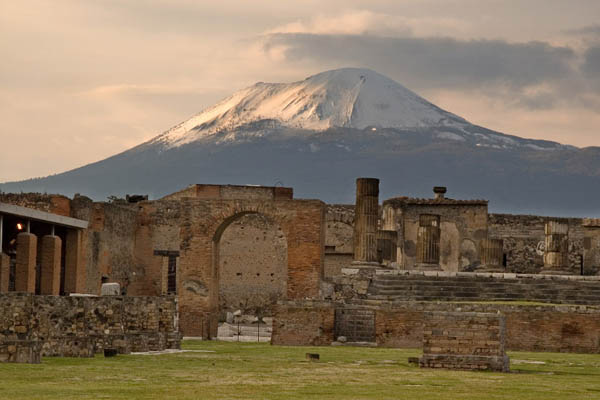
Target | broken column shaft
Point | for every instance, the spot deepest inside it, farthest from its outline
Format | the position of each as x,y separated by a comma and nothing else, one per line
366,216
556,254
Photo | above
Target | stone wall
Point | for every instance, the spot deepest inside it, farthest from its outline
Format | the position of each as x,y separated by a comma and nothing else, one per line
464,340
555,328
51,203
79,326
524,241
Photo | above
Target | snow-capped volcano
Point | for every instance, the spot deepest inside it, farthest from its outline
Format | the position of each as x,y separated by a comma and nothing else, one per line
346,98
317,135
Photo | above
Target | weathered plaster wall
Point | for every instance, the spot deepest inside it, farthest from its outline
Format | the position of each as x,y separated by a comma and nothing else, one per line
461,229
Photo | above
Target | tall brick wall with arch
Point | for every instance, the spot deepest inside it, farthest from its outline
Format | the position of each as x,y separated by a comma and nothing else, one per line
194,227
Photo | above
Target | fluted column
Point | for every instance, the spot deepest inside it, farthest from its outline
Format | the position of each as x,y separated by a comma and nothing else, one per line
365,220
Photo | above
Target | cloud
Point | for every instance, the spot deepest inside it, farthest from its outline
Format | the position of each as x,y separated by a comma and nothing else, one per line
589,30
439,62
591,65
366,22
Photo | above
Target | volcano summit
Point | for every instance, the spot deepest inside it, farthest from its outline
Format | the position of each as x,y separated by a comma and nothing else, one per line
319,134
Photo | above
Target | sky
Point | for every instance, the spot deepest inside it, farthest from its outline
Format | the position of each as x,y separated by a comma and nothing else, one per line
81,80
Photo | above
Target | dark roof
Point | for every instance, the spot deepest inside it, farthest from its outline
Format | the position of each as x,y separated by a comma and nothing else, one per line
411,201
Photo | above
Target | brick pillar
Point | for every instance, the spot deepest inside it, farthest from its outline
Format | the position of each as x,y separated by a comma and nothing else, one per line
50,264
26,260
492,253
74,266
366,215
556,254
4,272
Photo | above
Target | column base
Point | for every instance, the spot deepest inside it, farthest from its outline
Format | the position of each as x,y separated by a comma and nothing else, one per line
555,271
427,267
491,268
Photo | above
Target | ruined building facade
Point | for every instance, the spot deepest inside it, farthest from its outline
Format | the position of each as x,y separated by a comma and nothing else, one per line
222,247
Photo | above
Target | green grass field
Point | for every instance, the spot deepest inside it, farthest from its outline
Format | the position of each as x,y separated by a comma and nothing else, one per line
219,370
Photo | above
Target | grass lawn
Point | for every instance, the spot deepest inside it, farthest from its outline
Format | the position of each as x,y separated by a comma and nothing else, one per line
261,371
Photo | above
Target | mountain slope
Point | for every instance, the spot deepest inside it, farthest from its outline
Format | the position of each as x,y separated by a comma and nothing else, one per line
319,134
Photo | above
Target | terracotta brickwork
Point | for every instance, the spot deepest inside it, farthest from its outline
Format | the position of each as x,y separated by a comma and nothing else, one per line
194,227
26,262
303,324
50,265
574,329
464,340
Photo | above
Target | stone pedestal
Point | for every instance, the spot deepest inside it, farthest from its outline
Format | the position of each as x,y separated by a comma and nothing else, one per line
464,340
26,262
4,272
556,254
50,264
365,222
110,289
492,254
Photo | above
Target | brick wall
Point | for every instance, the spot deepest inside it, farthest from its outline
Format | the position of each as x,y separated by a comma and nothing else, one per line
464,340
303,324
528,327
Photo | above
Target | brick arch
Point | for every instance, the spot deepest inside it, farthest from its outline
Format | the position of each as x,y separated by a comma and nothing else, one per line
203,223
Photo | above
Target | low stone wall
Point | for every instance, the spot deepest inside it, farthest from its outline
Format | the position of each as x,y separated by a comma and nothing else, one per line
81,326
556,328
464,340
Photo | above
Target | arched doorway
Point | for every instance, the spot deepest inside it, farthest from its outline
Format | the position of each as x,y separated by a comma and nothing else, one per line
251,264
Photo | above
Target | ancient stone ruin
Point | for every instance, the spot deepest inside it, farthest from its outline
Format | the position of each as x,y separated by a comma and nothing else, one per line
368,272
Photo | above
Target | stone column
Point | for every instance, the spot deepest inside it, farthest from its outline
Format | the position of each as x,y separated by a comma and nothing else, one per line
556,254
591,245
4,272
26,260
74,266
366,216
50,264
492,254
